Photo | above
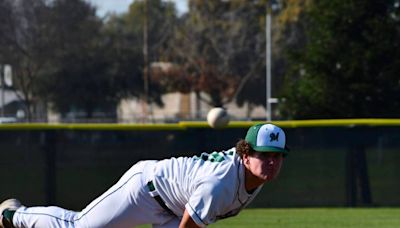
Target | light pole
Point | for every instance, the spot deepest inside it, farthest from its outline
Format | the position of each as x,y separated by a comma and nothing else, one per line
273,5
146,60
3,86
268,63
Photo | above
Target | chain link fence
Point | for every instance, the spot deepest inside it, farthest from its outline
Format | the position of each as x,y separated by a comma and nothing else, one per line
328,166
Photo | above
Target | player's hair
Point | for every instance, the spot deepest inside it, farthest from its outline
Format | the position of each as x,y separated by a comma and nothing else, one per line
243,147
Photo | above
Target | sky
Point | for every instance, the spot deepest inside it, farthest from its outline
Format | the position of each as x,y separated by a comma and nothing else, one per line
121,6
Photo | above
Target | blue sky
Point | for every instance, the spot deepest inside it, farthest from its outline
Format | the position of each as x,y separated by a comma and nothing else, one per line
121,6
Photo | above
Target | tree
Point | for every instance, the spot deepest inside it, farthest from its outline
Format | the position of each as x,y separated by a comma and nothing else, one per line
130,56
148,26
349,66
124,56
26,45
79,79
56,50
63,54
221,46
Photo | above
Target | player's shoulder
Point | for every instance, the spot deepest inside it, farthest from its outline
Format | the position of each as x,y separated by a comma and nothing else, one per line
217,156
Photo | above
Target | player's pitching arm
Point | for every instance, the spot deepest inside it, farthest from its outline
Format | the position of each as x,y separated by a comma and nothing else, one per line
187,221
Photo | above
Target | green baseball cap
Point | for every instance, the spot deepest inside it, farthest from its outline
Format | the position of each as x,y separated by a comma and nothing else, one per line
267,138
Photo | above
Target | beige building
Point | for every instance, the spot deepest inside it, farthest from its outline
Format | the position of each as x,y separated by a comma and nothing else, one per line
177,107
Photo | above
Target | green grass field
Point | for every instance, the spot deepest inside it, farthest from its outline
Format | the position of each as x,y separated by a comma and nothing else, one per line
383,217
314,218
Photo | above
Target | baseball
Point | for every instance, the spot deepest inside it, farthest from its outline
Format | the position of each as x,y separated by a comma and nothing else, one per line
217,118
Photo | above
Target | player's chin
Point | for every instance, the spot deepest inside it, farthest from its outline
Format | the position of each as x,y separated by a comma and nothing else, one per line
266,177
269,176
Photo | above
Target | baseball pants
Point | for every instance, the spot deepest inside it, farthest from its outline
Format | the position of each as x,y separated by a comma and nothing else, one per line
126,205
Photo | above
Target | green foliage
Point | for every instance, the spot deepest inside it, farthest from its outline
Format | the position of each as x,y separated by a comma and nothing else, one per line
221,46
124,36
78,80
349,66
25,43
344,57
161,19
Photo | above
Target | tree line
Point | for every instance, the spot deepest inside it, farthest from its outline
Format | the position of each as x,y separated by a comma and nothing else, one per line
331,59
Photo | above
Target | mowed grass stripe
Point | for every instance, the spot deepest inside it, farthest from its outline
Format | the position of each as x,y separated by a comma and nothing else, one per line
315,217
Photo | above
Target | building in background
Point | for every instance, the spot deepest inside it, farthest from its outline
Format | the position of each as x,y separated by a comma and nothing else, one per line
180,107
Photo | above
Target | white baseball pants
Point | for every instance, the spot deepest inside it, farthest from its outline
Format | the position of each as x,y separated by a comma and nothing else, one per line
126,205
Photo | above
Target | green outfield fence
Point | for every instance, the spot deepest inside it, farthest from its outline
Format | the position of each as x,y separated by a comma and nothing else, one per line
332,163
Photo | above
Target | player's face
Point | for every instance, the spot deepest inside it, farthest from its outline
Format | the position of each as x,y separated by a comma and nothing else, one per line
264,166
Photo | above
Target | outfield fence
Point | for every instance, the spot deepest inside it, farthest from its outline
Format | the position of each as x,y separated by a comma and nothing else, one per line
332,163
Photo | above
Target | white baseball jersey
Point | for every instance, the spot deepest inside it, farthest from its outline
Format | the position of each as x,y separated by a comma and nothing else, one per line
209,187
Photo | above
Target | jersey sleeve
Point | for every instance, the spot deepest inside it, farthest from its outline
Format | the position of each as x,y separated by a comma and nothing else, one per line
207,202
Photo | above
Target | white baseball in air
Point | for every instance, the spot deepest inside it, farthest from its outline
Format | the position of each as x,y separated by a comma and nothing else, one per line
217,118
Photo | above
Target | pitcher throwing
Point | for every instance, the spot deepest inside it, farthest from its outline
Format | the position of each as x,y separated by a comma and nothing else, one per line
176,192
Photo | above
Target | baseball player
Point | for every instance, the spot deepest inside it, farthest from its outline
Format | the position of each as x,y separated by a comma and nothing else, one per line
176,192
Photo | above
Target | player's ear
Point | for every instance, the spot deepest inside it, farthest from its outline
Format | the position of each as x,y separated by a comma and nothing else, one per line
245,158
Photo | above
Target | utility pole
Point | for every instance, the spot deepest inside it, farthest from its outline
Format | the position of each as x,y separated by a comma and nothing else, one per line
268,63
3,87
272,6
146,71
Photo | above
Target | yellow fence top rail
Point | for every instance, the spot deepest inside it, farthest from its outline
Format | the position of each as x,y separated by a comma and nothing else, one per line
197,124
